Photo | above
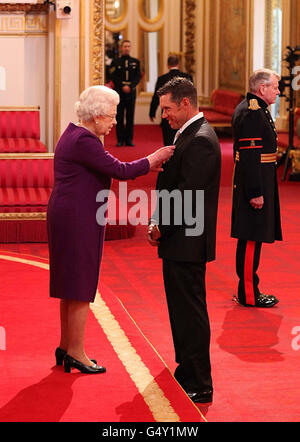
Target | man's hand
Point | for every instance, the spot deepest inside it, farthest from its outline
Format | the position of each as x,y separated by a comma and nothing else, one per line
153,234
126,89
257,203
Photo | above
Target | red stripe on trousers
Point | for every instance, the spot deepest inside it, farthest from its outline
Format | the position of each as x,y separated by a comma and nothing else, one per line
248,273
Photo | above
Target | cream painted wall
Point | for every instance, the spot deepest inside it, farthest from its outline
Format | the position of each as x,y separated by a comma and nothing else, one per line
69,66
35,77
23,59
14,68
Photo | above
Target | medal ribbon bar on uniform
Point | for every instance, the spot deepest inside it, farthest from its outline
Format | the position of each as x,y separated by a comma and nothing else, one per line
250,143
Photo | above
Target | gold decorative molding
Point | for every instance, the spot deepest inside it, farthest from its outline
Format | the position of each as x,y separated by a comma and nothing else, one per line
19,24
151,20
26,156
190,35
23,216
120,18
19,108
36,8
97,46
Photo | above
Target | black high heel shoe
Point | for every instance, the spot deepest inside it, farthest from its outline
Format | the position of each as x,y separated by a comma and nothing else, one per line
70,362
60,354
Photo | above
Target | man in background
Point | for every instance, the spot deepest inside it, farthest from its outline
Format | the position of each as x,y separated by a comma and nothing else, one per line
173,66
125,74
255,209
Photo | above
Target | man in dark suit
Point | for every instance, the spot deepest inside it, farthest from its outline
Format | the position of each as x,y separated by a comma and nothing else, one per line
173,66
126,74
255,209
192,177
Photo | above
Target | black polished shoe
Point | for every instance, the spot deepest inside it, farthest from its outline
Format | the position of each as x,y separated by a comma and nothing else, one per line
60,354
129,143
266,300
263,301
119,144
202,398
70,362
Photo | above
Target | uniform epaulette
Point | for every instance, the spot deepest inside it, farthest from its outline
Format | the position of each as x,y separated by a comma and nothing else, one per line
254,105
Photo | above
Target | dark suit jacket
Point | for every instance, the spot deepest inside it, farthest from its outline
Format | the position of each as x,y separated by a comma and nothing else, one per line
195,165
159,83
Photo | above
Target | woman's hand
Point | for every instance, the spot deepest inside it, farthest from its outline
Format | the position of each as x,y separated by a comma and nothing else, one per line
157,158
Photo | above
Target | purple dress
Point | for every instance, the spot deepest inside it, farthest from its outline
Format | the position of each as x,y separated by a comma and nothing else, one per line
81,169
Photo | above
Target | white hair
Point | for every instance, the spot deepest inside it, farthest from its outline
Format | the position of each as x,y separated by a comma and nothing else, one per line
261,76
95,101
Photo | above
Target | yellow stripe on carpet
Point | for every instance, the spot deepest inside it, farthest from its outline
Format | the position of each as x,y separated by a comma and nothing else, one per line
25,261
154,397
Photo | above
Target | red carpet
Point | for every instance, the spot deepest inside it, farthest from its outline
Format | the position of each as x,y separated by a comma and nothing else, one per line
255,353
137,387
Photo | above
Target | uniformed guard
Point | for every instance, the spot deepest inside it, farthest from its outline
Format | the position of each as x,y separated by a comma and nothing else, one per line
255,210
126,74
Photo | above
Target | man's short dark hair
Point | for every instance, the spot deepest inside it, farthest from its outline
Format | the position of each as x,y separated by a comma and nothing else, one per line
179,88
125,41
173,60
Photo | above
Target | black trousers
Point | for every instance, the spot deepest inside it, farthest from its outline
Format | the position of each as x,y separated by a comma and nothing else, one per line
247,262
186,299
125,111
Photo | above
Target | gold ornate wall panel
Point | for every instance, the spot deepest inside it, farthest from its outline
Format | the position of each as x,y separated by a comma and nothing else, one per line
97,43
190,36
233,52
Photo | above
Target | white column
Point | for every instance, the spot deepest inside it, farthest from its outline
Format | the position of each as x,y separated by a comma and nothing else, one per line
259,35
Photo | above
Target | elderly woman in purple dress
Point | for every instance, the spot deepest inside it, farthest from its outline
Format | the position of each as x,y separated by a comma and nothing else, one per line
82,168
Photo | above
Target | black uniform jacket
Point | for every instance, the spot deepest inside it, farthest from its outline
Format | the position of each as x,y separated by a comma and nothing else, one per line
255,140
163,79
125,71
195,165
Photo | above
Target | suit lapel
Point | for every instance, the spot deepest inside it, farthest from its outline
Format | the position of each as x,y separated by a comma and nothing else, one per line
191,129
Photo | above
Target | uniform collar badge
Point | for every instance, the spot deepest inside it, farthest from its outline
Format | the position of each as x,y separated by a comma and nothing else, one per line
253,104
